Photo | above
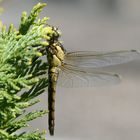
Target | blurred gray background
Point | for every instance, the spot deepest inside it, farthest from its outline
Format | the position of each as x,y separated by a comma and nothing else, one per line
105,113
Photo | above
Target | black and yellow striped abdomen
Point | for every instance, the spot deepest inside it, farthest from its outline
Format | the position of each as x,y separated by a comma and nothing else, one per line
53,76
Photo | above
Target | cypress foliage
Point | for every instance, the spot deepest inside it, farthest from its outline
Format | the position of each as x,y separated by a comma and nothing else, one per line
21,71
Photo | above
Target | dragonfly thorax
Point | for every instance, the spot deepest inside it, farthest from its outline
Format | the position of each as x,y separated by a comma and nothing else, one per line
56,61
60,53
56,55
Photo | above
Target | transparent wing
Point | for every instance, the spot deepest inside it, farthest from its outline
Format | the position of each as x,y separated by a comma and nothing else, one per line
70,76
98,59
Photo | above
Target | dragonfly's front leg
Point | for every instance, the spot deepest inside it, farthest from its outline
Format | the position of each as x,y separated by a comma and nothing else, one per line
53,76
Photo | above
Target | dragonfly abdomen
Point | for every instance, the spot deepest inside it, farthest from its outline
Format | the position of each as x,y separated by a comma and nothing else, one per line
53,76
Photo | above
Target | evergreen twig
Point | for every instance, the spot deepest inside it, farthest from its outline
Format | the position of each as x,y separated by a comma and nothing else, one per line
21,69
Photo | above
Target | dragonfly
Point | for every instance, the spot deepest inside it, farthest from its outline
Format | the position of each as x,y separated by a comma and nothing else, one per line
79,69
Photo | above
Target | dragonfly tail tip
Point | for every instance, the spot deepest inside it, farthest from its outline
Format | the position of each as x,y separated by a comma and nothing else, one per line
51,132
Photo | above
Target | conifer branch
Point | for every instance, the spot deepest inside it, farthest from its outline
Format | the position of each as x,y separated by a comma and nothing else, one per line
22,73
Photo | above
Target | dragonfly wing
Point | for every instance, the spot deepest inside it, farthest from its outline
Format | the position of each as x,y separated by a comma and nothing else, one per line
70,76
100,59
